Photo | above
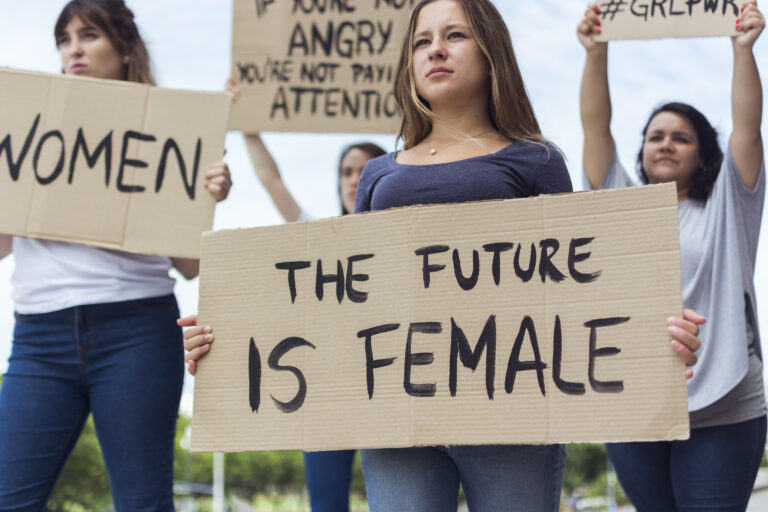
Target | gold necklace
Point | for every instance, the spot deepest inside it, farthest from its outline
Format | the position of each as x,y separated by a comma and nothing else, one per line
433,150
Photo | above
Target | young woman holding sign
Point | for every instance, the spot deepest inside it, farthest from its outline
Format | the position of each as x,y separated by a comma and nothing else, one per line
470,134
720,208
95,329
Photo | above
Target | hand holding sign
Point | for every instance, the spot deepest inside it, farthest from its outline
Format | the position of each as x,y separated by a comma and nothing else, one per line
750,24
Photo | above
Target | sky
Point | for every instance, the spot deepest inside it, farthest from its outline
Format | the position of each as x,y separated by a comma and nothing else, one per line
189,43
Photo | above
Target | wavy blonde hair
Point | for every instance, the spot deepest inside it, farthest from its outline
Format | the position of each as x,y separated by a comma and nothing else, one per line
509,107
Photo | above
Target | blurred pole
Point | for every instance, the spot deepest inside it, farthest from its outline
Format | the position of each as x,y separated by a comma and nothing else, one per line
219,502
611,477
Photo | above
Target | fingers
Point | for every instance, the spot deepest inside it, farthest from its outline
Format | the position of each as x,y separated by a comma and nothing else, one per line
187,321
684,341
218,180
232,88
192,367
750,18
693,316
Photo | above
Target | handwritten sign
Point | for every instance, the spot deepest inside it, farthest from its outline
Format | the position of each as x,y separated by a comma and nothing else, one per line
527,321
655,19
317,65
111,164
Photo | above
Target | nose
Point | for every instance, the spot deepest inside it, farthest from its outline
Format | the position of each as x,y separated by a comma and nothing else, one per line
666,144
437,49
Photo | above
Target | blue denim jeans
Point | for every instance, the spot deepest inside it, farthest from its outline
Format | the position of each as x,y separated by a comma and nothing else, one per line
506,478
328,477
714,470
123,362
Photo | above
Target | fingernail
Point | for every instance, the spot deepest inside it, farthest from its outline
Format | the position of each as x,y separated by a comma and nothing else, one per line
599,24
204,348
206,329
742,8
208,337
671,320
677,346
738,20
672,330
597,10
597,30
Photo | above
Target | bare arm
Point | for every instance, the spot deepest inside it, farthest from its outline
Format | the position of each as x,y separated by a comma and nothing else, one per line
6,245
269,175
595,101
747,97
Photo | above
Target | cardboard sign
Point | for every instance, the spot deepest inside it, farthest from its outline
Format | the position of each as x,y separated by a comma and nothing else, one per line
112,164
317,65
535,320
656,19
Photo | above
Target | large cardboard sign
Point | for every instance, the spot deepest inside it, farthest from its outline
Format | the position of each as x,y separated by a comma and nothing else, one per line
317,65
656,19
112,164
527,321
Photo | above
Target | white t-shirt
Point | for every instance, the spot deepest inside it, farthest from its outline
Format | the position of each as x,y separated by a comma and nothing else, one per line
50,276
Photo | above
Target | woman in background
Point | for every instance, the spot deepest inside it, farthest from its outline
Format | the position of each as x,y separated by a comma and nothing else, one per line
95,329
720,204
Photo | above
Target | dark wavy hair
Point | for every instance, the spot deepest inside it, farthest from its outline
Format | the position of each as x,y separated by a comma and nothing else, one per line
709,150
370,149
115,19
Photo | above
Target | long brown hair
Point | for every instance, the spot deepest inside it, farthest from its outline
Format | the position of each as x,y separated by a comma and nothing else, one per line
115,19
509,107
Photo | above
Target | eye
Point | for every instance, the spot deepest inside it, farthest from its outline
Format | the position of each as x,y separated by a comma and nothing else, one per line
456,35
62,40
420,42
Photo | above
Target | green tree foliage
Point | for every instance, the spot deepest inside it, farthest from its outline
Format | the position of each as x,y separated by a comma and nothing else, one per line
83,484
586,462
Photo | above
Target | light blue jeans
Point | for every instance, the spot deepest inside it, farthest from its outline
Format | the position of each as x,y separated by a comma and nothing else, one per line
504,478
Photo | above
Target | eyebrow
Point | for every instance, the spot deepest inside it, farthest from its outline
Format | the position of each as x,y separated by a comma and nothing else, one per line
447,28
677,132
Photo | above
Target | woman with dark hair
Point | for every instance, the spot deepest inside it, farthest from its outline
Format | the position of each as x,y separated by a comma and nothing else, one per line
720,204
470,134
329,473
95,329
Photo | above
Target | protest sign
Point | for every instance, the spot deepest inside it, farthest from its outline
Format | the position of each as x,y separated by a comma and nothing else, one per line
112,164
534,320
656,19
317,65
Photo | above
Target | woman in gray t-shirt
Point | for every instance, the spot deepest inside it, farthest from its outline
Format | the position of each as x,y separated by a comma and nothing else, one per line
720,207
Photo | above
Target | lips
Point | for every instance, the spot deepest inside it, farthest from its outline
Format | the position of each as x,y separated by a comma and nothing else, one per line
74,68
435,71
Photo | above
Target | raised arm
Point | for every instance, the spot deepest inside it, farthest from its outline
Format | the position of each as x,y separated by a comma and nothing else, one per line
747,96
266,168
595,100
6,245
269,175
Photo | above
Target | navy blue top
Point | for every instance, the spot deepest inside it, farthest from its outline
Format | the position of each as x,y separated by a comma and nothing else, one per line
522,169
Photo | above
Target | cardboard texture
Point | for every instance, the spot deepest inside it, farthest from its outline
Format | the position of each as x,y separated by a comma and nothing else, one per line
629,236
308,66
111,164
657,19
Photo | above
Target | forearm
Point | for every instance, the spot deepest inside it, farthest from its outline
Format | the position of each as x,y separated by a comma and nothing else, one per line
595,103
746,95
6,245
269,175
189,268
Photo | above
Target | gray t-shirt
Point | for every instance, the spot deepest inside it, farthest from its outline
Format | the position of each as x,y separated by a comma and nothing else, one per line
718,250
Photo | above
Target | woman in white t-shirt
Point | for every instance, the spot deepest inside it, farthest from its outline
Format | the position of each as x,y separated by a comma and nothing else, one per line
95,329
720,204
